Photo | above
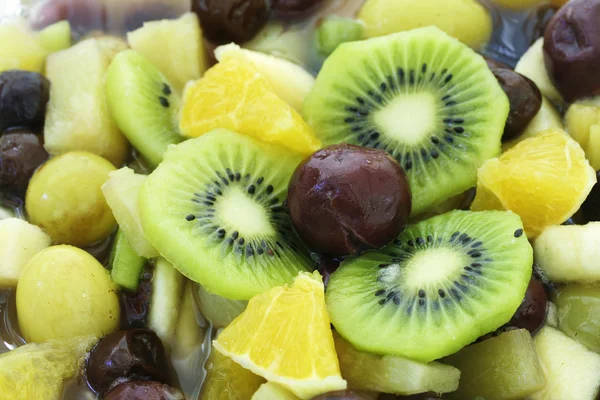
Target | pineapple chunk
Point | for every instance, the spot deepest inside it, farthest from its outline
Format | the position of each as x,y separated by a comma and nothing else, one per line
289,81
56,37
583,124
272,391
19,242
175,47
21,48
78,118
121,193
571,370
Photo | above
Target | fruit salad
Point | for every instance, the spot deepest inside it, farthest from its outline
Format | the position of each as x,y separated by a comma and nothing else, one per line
300,200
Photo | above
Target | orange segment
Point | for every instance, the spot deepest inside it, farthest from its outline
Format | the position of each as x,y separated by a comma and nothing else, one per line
284,336
544,179
233,95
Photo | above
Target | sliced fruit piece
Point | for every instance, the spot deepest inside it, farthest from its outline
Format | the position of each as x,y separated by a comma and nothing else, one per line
227,379
443,283
143,103
38,371
234,95
273,391
583,124
111,46
78,118
440,130
383,17
289,81
549,165
214,209
547,118
572,371
19,242
579,313
334,30
56,36
21,48
532,66
391,374
283,41
121,191
569,253
499,368
219,310
126,265
257,340
161,43
165,301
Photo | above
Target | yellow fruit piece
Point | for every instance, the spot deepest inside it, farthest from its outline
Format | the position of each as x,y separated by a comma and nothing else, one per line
285,337
225,379
518,4
38,371
234,95
544,179
473,28
21,48
583,124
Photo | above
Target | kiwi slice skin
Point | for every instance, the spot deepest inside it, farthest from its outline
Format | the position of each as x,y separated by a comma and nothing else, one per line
143,104
439,286
422,96
214,208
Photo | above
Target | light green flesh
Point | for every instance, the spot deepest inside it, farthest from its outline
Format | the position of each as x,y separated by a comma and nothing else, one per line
56,37
405,118
501,368
389,301
165,303
272,391
579,314
335,30
194,180
133,88
126,265
390,374
218,310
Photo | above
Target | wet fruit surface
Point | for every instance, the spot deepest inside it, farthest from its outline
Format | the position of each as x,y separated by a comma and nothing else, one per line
131,354
572,49
20,155
339,395
135,306
226,21
532,312
143,390
23,99
346,199
525,100
591,206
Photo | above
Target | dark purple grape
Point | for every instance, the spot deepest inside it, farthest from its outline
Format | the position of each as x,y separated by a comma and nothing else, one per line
524,97
23,99
226,21
531,314
20,155
591,206
124,355
339,395
345,199
572,49
144,390
292,9
135,306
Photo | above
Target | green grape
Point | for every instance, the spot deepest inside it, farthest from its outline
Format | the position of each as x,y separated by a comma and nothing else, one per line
65,199
63,293
579,314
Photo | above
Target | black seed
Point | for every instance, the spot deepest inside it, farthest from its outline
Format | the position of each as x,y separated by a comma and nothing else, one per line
476,244
475,254
274,201
390,295
278,243
450,103
211,198
467,268
361,137
241,241
421,293
454,235
441,293
238,176
396,300
518,233
269,189
420,241
444,98
260,180
190,217
449,139
363,113
475,265
221,233
397,242
349,120
411,77
384,265
218,191
424,152
235,235
424,68
360,100
225,181
401,74
459,129
430,238
277,209
260,250
379,292
435,140
247,177
459,121
166,89
411,243
434,154
408,164
383,86
421,302
444,71
374,135
448,78
352,109
249,251
164,102
251,189
208,203
463,237
382,301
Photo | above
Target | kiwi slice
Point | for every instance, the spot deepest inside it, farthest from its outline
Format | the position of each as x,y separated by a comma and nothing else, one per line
143,104
422,96
214,208
437,287
126,265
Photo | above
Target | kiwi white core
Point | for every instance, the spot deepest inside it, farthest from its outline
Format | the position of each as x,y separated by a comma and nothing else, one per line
408,118
433,267
237,209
